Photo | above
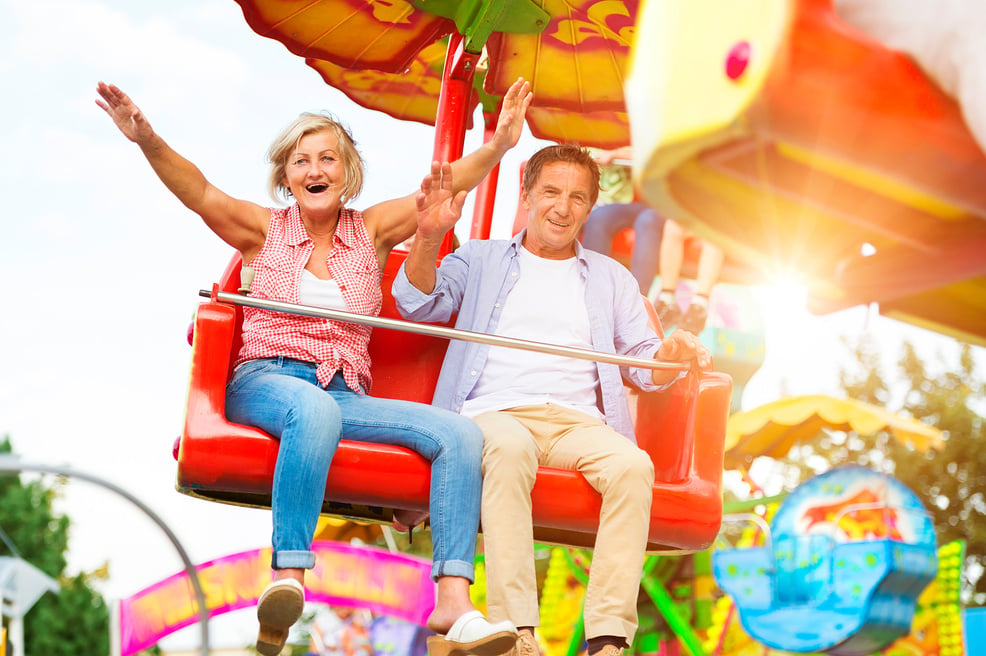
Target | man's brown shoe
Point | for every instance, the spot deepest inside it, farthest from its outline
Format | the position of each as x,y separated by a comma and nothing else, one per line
526,645
610,650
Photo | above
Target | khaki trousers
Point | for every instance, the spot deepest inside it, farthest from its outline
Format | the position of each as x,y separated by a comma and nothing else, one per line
516,442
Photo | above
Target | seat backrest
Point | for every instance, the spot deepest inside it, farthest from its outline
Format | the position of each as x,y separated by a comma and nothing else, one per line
230,282
405,365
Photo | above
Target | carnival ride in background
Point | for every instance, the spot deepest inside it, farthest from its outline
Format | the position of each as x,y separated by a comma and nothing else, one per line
804,147
796,576
847,556
705,623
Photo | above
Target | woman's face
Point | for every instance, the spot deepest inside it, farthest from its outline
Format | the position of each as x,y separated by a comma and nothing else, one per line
315,173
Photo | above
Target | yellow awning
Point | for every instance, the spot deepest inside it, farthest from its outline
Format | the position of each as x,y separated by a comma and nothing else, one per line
774,428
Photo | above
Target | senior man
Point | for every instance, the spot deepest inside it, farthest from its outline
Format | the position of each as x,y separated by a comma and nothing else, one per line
537,408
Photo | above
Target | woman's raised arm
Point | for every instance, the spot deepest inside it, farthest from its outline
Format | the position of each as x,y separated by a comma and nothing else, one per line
240,223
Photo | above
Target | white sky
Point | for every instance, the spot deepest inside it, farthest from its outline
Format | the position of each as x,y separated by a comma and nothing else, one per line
100,266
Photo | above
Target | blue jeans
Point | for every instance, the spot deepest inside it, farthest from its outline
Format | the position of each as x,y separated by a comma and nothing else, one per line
282,397
607,221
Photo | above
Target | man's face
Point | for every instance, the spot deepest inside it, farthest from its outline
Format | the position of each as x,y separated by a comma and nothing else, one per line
557,208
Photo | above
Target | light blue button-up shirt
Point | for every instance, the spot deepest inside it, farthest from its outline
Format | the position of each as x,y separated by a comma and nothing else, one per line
475,280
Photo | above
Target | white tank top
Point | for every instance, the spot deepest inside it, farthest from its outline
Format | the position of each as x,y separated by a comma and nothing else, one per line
320,293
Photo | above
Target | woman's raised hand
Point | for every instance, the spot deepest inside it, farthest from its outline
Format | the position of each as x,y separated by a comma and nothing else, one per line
510,124
127,116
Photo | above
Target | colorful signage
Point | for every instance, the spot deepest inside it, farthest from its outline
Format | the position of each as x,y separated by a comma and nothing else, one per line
389,584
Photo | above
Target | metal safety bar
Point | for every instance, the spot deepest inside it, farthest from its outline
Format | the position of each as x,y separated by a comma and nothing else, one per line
440,331
743,518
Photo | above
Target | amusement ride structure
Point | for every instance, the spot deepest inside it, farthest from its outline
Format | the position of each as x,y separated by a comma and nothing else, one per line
770,127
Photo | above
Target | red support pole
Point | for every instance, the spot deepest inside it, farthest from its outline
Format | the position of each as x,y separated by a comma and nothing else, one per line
482,214
453,107
453,100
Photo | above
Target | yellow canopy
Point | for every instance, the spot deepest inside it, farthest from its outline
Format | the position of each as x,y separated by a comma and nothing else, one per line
774,428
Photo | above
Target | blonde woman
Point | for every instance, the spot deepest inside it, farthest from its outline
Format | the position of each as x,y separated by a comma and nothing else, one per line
305,380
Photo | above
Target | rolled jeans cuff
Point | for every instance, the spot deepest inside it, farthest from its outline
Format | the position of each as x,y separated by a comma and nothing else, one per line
292,560
453,568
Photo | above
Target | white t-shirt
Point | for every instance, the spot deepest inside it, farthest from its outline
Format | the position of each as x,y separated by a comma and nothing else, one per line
546,304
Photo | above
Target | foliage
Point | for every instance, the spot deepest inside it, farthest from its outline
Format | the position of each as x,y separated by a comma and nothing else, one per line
949,395
39,537
951,483
76,620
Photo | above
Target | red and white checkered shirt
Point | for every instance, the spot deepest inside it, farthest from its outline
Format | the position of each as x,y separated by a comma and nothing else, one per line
333,345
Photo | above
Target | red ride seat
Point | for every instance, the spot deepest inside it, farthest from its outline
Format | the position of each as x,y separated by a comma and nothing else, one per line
231,463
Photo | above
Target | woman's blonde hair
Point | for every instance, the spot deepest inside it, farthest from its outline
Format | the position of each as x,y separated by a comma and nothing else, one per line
286,142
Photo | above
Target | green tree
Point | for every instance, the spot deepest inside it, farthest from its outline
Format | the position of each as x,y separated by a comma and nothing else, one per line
75,622
952,484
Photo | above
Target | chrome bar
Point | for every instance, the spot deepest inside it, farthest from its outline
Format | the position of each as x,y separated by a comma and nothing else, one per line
441,331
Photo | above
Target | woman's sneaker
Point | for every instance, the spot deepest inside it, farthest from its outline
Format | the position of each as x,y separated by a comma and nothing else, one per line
279,607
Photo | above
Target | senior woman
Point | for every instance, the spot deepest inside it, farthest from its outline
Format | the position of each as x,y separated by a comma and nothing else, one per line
305,380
